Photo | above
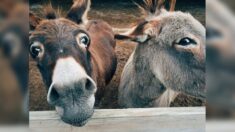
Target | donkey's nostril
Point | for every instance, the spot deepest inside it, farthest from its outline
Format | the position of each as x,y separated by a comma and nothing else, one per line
53,96
88,85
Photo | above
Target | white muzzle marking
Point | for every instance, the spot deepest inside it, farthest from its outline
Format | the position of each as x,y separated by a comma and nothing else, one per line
67,71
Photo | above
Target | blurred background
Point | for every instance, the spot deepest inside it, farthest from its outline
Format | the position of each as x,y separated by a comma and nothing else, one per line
13,63
220,26
220,59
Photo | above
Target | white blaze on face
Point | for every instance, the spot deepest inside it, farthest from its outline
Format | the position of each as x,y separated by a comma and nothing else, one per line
67,71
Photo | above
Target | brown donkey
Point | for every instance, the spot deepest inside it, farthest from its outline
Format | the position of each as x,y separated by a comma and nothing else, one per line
169,58
76,58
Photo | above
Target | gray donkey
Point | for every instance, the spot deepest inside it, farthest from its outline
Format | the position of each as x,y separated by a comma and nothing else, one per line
169,58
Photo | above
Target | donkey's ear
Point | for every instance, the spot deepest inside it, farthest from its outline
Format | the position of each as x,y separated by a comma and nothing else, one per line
139,39
79,10
33,20
154,7
141,33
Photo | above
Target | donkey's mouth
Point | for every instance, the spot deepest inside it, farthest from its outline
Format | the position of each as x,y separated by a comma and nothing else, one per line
80,124
77,122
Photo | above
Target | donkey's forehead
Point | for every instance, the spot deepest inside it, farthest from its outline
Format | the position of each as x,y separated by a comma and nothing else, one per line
55,29
185,20
180,22
60,23
177,17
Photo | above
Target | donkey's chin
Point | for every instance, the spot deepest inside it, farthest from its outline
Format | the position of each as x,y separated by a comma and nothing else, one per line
75,115
76,121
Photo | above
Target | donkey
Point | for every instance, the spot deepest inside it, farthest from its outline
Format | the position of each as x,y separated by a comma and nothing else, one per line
75,57
169,58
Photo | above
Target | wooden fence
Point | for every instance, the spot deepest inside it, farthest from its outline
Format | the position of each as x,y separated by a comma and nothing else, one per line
190,119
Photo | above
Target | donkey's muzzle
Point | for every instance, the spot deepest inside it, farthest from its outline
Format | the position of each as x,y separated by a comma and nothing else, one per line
75,102
84,88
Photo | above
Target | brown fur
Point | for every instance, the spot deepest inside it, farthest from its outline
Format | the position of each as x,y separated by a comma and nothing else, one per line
78,11
89,46
103,66
154,6
99,49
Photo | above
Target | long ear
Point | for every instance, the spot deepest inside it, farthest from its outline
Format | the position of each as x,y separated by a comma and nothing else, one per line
153,7
140,33
172,5
49,12
79,10
33,20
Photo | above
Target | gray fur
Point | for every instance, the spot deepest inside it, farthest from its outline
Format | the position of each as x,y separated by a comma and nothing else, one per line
158,70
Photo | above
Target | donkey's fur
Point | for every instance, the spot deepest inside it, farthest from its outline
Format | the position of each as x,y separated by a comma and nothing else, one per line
160,68
76,58
79,10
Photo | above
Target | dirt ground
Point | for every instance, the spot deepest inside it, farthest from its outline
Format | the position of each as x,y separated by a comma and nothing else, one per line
111,14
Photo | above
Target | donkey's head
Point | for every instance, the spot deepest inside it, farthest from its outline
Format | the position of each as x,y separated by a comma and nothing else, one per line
172,44
60,46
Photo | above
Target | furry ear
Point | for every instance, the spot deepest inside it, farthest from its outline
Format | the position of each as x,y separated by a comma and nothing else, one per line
50,12
79,10
172,5
139,39
47,13
153,7
33,20
140,33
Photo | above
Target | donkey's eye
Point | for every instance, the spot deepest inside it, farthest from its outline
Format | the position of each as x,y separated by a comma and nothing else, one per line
186,41
83,40
36,50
